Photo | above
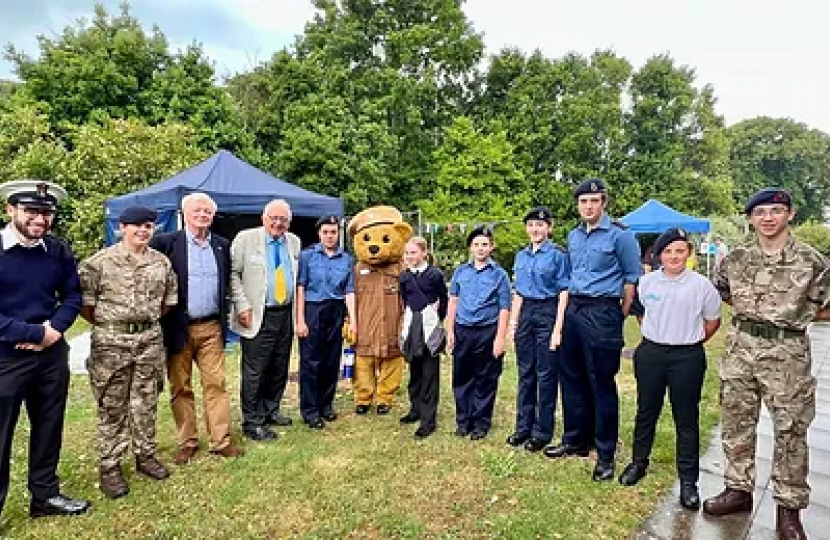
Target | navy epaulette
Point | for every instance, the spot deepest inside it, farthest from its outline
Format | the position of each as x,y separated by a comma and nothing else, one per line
560,248
619,224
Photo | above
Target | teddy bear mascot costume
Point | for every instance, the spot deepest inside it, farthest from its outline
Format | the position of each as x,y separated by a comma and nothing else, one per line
379,235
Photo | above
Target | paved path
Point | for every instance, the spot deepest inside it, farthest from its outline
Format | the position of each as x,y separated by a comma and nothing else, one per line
670,522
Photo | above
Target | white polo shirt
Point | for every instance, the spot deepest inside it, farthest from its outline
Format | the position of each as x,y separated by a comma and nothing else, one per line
676,308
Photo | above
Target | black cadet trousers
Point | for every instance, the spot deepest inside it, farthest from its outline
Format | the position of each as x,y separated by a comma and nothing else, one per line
41,381
681,369
424,376
320,353
265,360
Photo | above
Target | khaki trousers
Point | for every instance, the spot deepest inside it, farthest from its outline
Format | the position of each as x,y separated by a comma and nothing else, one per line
377,377
205,348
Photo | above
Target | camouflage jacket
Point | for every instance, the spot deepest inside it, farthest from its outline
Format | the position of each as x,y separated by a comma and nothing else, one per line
785,289
125,288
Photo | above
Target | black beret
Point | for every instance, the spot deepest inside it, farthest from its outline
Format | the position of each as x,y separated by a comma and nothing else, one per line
479,230
329,219
592,185
136,215
771,195
541,213
671,235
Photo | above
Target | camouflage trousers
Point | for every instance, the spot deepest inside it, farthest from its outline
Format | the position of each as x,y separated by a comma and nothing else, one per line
125,371
777,372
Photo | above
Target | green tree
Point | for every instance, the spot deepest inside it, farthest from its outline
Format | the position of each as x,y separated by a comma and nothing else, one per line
115,158
110,67
676,151
477,181
780,152
27,148
815,234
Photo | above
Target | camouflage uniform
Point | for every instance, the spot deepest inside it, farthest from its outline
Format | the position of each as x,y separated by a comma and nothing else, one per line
773,298
126,369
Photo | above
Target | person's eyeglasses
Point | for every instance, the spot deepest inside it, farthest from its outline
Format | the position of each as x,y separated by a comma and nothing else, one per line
279,219
33,212
775,211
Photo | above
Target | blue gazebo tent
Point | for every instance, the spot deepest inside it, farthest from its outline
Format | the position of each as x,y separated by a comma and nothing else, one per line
656,217
239,189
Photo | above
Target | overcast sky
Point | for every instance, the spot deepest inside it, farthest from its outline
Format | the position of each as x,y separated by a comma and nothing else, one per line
763,57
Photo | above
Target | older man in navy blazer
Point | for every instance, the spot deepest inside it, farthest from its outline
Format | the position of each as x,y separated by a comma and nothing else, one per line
194,330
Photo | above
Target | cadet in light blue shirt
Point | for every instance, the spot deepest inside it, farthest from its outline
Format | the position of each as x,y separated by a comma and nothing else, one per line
325,293
605,265
476,329
538,315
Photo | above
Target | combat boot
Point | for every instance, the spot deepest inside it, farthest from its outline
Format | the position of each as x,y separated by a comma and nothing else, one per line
729,501
112,482
150,466
788,524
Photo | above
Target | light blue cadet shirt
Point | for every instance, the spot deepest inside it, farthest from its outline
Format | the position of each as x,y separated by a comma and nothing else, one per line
603,260
543,273
481,293
324,277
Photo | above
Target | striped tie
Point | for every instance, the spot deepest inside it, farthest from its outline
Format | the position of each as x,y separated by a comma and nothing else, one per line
280,289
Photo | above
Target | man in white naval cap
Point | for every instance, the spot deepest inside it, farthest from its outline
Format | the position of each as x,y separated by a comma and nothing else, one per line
41,297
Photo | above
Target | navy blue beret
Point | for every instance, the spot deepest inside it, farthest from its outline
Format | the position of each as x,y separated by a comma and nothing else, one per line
480,230
671,235
771,195
541,213
330,219
592,185
136,215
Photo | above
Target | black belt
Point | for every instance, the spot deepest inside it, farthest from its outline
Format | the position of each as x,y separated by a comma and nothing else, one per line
551,300
585,300
199,320
679,346
280,307
766,330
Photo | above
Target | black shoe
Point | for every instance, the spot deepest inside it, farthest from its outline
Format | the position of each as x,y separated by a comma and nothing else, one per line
534,444
603,471
633,473
689,496
423,433
478,434
260,433
59,505
384,409
279,420
329,416
361,409
316,423
410,418
462,431
564,450
517,439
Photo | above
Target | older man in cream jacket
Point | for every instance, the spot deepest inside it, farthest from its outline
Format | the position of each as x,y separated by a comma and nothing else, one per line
263,279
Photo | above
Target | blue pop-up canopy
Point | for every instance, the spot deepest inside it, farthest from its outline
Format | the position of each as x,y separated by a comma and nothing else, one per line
656,217
236,186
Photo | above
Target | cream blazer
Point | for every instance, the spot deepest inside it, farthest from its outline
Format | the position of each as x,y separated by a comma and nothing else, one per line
249,282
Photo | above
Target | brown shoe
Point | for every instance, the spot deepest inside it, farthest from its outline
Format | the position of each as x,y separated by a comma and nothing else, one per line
788,524
112,482
729,501
229,451
185,455
150,466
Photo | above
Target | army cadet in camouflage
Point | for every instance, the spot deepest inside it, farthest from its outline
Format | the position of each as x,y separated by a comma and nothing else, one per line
776,286
126,289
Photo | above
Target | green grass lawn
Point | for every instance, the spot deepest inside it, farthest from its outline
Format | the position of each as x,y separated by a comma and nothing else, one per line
363,477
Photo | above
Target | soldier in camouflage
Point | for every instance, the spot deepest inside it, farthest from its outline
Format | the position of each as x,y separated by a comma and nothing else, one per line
126,289
776,286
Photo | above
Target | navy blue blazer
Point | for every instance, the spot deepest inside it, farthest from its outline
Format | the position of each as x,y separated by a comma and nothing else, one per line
174,246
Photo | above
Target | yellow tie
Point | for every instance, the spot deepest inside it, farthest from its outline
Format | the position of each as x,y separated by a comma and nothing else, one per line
280,291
